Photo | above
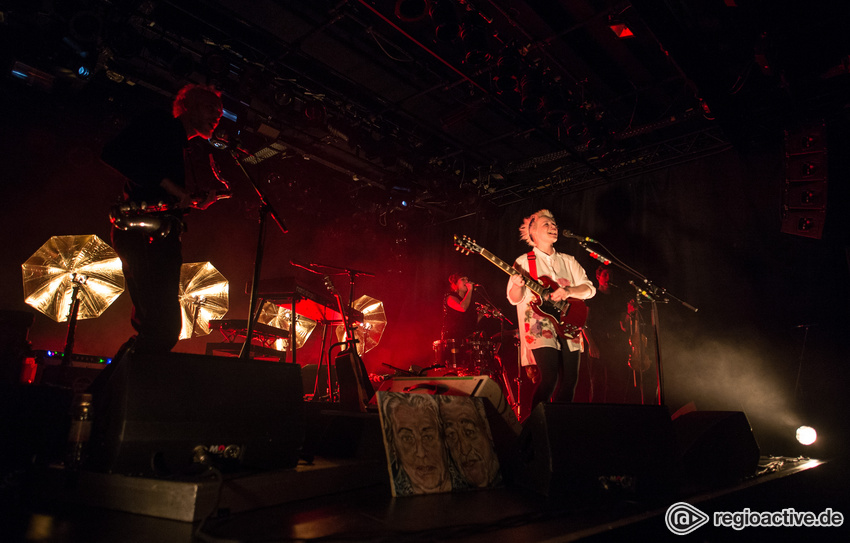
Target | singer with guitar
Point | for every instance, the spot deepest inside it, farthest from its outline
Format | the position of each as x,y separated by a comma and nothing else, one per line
550,356
151,156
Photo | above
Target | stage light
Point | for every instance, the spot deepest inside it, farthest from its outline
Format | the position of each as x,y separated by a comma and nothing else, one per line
806,435
32,76
411,11
619,28
508,73
532,97
474,38
444,17
315,111
282,97
215,63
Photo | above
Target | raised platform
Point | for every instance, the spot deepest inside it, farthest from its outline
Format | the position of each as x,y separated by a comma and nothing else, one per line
193,500
370,513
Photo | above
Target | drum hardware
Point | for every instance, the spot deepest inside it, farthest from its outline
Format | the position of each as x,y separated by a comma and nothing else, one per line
510,337
449,354
478,356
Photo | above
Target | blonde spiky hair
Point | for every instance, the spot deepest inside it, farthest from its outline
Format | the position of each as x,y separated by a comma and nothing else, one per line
525,228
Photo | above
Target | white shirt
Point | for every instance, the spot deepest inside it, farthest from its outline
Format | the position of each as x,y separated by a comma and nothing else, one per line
536,331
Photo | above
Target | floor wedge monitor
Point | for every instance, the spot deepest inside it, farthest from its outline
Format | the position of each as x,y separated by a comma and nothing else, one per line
162,415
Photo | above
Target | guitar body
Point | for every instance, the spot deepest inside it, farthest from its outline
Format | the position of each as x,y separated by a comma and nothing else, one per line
355,388
151,219
567,316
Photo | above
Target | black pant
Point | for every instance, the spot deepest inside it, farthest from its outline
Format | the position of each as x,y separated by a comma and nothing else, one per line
152,277
558,374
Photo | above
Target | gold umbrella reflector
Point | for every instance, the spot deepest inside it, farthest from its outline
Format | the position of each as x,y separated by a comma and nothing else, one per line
280,317
371,329
64,263
204,296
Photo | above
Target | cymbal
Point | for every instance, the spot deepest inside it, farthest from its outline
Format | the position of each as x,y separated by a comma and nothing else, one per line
204,296
63,263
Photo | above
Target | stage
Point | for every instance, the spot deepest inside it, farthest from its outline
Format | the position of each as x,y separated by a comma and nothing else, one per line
369,513
339,490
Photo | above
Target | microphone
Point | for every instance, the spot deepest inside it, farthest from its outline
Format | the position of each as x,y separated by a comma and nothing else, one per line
642,291
569,234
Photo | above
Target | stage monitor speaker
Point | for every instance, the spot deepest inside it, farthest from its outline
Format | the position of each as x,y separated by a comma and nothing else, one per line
159,415
33,426
716,446
591,451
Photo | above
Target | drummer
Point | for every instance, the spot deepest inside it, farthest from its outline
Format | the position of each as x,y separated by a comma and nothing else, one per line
460,317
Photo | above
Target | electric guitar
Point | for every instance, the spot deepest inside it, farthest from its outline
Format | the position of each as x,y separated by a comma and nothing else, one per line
151,218
567,316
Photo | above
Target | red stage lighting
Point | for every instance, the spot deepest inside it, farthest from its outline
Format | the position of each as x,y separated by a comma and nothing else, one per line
620,29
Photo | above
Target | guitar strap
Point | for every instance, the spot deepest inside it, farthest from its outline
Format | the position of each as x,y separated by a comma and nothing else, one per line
532,264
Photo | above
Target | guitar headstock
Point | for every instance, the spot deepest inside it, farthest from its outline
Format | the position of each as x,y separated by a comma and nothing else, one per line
466,245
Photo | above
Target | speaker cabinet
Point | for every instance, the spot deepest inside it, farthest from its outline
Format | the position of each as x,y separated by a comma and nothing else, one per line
33,426
716,446
158,413
586,451
804,193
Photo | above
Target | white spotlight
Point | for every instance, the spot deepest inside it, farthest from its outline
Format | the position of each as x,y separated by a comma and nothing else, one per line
806,435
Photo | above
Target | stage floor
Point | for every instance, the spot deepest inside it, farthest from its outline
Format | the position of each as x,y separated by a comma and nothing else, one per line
354,509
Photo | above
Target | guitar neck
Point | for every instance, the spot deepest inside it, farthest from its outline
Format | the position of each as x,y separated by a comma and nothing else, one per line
535,287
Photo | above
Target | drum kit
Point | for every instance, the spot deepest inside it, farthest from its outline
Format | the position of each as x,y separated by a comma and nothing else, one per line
478,356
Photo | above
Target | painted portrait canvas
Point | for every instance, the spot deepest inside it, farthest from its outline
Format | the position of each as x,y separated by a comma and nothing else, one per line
437,443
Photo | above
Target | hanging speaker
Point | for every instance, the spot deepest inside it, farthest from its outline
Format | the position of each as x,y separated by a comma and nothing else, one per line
805,188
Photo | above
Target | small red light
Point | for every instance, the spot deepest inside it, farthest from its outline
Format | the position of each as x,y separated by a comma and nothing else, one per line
621,30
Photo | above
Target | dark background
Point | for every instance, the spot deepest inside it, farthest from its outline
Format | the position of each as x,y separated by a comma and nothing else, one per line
769,337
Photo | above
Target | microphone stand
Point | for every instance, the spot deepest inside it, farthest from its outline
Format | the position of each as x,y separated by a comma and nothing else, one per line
346,320
266,209
651,292
352,275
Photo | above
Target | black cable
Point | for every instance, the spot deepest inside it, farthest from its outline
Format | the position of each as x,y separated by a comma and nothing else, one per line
199,534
